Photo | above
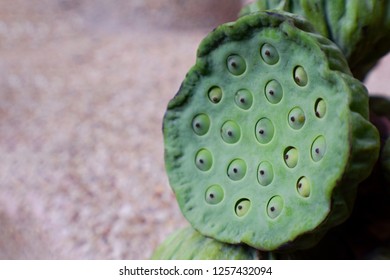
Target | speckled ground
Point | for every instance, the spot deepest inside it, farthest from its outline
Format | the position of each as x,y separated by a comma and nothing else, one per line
83,89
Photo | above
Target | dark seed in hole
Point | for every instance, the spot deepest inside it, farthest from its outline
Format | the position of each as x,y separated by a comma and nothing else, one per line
242,100
233,64
239,207
271,92
272,209
235,170
292,119
230,133
197,125
211,195
267,53
317,151
261,131
215,99
299,185
201,161
317,114
261,172
286,157
297,80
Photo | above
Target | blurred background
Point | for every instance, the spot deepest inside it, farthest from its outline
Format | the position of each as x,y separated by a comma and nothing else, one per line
84,85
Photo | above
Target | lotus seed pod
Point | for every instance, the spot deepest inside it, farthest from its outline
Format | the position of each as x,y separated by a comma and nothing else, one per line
188,244
286,168
361,29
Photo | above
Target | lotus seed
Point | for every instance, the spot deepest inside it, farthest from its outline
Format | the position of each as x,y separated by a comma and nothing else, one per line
203,160
275,206
201,124
230,132
214,194
236,169
273,92
236,64
300,76
215,94
318,148
303,187
320,108
291,157
296,118
242,207
244,99
264,130
269,54
265,173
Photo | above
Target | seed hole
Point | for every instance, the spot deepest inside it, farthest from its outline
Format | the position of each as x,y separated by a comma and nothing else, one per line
242,207
300,76
203,160
236,64
244,99
273,92
296,118
265,173
303,187
236,169
214,194
215,94
320,108
264,130
291,157
275,207
201,124
318,148
230,132
269,54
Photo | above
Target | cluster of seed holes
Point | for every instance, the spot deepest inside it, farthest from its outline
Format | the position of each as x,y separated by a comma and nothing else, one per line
264,131
242,207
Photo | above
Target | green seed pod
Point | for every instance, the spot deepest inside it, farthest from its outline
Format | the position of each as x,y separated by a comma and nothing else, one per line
356,27
262,204
188,244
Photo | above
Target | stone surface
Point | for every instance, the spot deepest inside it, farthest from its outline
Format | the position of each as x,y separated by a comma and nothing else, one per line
83,89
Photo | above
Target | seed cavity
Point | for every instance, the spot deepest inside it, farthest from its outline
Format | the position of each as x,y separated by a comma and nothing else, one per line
244,99
320,108
264,130
203,159
275,206
265,173
303,187
269,54
201,124
236,64
214,194
300,76
242,207
318,148
291,157
296,118
230,132
215,94
236,169
273,91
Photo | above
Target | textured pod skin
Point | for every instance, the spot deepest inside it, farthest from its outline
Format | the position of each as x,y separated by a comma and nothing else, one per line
270,215
360,28
188,244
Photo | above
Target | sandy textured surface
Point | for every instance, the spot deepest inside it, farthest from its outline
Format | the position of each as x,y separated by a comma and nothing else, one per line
83,89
